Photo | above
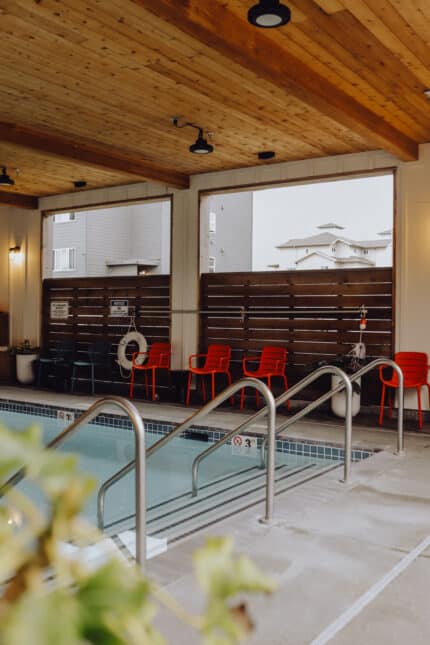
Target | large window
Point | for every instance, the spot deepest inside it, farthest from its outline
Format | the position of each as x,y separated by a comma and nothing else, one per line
64,259
62,218
111,241
341,223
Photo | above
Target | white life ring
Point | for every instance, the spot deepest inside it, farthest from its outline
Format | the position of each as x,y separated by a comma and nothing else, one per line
131,337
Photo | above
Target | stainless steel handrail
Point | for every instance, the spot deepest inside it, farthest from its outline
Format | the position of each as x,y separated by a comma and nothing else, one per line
401,395
326,369
194,418
354,377
140,461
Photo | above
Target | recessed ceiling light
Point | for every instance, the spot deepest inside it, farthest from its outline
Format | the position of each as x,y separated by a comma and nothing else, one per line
79,184
266,154
5,180
269,14
427,94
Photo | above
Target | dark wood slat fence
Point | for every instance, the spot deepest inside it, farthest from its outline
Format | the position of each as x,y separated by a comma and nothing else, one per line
315,314
89,318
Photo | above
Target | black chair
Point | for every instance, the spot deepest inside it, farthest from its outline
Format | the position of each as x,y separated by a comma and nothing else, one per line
98,357
59,359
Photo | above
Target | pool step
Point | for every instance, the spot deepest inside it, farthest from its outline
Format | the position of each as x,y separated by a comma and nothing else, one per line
183,514
214,490
180,525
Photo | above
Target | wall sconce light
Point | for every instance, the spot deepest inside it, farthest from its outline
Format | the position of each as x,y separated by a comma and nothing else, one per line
15,254
201,146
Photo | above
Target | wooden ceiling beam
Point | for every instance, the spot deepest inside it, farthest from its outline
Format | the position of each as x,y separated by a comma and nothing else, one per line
18,200
86,153
212,23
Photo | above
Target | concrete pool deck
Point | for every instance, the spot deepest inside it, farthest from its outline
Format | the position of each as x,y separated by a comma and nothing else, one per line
352,562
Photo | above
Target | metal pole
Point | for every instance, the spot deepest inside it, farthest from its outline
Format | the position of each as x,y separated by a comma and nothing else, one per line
387,362
139,431
348,432
270,469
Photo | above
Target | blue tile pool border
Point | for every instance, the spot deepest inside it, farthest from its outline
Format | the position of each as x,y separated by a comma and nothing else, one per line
302,447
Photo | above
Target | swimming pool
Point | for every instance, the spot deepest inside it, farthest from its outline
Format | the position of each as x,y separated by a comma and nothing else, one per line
229,480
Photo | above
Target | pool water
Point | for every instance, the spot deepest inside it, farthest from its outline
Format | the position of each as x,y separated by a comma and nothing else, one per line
104,450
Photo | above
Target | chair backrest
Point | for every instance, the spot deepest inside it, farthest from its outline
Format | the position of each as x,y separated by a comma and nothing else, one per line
214,357
99,352
273,359
65,349
159,355
414,366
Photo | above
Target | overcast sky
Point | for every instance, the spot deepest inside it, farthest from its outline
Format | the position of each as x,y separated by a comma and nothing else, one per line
364,206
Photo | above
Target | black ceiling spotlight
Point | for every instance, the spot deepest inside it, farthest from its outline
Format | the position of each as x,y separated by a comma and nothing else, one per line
79,183
266,154
269,14
5,180
201,146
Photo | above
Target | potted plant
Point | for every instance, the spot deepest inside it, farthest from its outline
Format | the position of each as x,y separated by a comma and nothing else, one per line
349,363
26,354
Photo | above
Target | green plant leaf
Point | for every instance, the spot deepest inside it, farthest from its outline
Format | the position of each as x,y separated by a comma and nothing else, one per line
222,576
50,618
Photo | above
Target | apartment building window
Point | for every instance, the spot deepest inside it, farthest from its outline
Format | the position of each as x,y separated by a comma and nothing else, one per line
64,259
61,218
212,222
212,264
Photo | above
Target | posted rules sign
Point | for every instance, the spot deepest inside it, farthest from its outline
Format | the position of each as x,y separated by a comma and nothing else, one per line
119,307
59,309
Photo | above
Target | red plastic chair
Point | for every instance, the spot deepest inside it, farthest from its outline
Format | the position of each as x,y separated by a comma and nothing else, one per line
158,359
217,361
272,363
414,366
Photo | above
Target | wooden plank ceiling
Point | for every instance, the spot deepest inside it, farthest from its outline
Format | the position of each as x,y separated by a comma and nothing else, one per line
88,87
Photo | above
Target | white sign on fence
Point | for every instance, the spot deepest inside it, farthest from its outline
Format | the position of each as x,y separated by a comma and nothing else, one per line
244,446
119,307
59,309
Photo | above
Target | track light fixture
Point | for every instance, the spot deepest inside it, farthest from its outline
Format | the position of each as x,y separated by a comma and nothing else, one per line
269,14
201,146
5,180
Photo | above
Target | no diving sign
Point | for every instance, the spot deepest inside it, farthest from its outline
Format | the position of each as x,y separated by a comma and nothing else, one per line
244,445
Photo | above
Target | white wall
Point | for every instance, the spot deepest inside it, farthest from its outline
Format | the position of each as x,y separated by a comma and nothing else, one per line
231,244
20,284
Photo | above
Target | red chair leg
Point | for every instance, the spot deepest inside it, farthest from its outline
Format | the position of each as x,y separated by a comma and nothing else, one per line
204,389
242,398
153,384
131,382
420,414
187,398
213,385
146,384
381,408
390,404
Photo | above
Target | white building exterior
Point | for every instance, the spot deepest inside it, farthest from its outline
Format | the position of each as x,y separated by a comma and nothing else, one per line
330,249
226,232
125,240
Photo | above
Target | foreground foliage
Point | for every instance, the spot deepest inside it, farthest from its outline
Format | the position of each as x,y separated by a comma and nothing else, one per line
49,596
